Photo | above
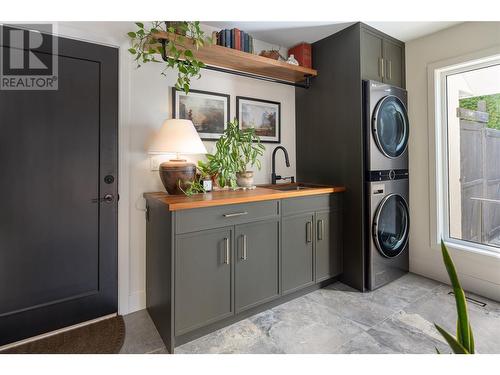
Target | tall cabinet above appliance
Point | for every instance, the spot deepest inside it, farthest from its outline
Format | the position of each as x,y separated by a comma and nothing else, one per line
330,138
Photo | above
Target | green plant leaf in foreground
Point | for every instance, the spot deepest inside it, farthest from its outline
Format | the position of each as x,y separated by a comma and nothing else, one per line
464,342
463,326
452,342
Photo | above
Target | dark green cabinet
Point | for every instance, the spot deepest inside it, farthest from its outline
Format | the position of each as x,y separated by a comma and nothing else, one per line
382,58
393,61
203,287
371,56
328,245
256,263
209,267
298,253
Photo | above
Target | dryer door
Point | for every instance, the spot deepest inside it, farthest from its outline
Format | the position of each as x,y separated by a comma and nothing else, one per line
391,225
390,126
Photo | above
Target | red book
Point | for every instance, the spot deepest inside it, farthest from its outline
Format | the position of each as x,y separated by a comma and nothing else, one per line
237,39
302,53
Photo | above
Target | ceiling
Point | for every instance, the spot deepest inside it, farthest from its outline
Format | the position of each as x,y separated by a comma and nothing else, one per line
287,34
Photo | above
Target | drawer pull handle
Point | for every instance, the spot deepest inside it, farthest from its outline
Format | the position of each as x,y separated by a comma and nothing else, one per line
308,232
244,255
321,228
236,214
226,254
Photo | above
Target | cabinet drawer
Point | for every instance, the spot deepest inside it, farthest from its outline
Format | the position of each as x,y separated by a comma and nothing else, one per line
220,216
293,206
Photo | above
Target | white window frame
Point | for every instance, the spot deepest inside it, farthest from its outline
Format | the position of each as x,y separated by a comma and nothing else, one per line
438,146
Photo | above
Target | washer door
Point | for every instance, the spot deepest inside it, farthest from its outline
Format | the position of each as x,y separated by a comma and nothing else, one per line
390,126
391,225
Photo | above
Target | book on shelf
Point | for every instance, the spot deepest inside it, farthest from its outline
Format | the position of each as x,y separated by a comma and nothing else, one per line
235,39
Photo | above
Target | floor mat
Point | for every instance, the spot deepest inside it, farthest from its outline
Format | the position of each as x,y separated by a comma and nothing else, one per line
103,337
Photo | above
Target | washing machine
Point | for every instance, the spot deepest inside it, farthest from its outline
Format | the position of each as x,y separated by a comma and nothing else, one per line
386,128
389,223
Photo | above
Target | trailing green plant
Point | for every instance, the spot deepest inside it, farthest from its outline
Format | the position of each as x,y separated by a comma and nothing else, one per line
234,151
463,343
145,48
247,144
192,187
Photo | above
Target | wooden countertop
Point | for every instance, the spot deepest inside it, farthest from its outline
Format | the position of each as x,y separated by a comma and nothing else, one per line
220,198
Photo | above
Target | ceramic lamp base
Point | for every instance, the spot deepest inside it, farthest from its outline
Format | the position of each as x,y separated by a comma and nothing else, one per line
175,172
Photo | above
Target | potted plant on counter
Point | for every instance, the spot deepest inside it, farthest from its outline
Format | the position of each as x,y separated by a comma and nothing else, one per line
249,150
235,150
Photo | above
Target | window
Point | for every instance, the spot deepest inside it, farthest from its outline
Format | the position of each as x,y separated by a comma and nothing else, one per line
471,146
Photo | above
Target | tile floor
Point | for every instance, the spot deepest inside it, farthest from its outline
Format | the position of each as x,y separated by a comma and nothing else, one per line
397,318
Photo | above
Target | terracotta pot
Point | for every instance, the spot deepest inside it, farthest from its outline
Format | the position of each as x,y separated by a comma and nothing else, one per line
244,179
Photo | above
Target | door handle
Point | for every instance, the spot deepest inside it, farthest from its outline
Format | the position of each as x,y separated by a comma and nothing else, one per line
235,214
381,67
308,232
108,198
226,251
389,67
244,256
321,225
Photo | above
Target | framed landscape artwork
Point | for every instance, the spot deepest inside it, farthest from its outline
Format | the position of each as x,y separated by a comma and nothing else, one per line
262,115
209,111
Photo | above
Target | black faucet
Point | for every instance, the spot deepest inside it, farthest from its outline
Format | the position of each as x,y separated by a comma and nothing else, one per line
274,178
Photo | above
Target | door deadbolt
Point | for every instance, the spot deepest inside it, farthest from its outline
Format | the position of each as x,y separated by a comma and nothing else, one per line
109,179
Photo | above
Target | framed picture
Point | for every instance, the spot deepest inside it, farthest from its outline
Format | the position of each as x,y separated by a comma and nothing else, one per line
209,111
262,115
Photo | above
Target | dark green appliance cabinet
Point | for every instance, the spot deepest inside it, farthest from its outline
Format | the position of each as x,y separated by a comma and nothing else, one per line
209,267
382,57
330,120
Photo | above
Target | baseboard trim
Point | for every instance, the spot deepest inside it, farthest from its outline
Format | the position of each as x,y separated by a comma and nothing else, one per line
52,333
136,301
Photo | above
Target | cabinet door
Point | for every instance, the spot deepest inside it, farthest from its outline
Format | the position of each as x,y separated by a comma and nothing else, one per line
393,63
297,251
256,263
328,245
202,278
371,56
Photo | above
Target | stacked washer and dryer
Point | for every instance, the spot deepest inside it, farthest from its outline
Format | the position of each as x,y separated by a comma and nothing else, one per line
386,183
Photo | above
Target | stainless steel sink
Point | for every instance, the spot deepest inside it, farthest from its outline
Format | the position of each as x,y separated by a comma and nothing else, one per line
286,188
289,187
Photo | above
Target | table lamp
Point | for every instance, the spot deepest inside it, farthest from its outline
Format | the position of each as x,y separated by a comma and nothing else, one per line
179,137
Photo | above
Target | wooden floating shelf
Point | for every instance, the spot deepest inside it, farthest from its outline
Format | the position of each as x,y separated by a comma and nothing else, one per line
227,58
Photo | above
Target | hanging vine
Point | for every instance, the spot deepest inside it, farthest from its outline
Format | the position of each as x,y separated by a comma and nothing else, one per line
146,47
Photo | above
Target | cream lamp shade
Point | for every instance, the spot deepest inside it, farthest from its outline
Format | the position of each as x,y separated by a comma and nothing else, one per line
179,137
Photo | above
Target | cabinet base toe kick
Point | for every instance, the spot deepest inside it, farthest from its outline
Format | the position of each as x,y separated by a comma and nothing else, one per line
214,269
193,335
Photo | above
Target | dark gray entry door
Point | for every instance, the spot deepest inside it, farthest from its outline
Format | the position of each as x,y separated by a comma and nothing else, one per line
58,240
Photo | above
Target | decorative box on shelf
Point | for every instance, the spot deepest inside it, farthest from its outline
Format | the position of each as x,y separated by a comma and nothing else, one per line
302,52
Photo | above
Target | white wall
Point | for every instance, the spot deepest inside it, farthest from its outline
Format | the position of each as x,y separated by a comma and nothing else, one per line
145,101
479,272
150,104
